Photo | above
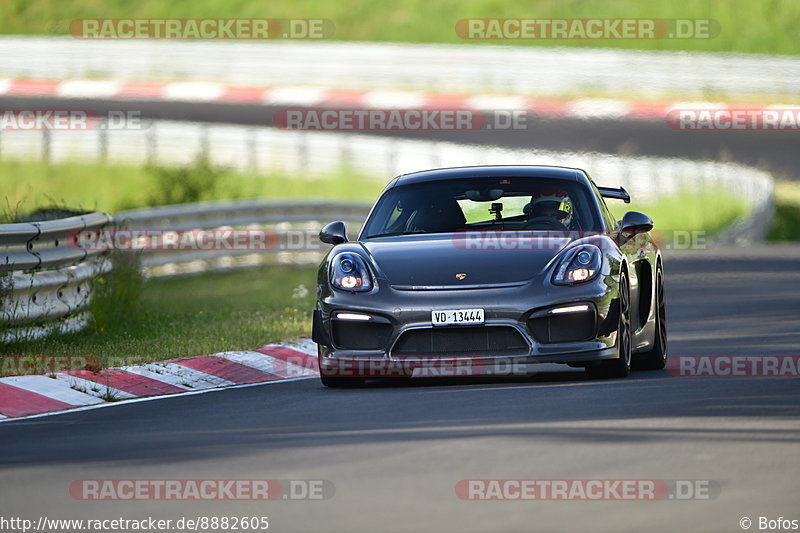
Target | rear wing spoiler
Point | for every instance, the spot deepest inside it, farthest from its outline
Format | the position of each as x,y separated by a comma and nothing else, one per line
616,194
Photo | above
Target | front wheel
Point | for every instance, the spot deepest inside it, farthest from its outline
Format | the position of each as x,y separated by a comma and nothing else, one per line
656,357
621,366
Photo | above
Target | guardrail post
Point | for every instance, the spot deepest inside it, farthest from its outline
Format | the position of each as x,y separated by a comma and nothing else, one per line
252,147
151,145
46,140
102,141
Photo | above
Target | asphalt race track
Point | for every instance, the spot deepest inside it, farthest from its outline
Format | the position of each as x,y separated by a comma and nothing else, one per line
396,452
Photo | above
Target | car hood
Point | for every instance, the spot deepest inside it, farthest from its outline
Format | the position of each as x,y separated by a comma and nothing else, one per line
434,261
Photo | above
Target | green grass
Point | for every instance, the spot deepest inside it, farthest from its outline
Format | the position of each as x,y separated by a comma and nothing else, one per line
756,26
196,315
89,186
27,186
786,219
705,210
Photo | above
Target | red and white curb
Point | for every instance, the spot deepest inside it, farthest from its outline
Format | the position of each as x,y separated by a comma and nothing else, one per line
307,96
24,396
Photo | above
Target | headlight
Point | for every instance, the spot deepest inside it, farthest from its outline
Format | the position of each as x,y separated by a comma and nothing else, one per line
349,273
580,264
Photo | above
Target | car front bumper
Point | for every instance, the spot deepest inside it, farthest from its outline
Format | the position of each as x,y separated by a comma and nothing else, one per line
399,312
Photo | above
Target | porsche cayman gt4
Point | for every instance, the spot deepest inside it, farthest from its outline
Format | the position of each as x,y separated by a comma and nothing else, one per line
478,269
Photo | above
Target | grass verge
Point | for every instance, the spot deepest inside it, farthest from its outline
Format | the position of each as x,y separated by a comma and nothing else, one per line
786,220
193,316
114,187
705,210
79,185
753,26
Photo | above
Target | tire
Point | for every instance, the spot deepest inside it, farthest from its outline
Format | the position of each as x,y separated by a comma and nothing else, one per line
621,366
656,357
341,383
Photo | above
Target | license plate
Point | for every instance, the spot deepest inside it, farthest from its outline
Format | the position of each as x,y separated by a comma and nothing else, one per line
449,317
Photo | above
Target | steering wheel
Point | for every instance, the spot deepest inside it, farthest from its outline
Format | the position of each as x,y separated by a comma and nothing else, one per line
549,223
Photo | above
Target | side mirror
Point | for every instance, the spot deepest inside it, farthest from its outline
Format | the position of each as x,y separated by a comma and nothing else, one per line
333,233
634,222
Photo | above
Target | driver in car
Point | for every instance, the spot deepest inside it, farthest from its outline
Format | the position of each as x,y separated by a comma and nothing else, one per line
549,209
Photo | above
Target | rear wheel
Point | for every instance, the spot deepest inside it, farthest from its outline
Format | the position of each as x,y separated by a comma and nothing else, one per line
656,357
621,366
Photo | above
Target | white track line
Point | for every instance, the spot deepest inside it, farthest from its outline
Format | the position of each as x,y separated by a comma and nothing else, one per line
393,99
193,91
52,388
88,89
489,102
598,108
300,96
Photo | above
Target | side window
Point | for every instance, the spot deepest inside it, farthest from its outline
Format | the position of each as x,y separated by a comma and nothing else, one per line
611,222
609,219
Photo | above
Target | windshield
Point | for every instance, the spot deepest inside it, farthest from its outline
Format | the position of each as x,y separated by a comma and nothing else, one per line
461,204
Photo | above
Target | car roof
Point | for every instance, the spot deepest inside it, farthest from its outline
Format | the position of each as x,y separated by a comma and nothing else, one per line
498,171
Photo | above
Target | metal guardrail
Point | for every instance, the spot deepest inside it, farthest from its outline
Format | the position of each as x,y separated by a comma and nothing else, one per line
263,150
205,215
46,275
462,68
51,294
47,244
276,219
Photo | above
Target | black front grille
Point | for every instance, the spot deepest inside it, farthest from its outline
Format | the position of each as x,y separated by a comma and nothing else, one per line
352,335
456,341
567,327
